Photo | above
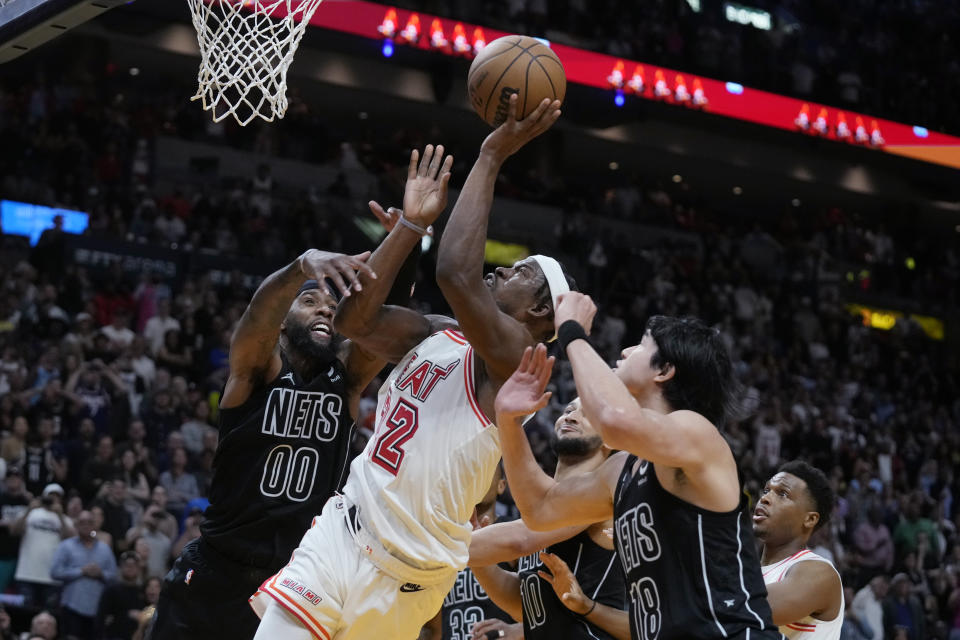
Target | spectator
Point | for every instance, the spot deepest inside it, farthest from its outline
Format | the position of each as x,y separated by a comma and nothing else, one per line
174,355
98,469
873,545
84,565
134,477
14,502
194,429
122,601
87,383
902,609
912,529
43,625
118,510
159,325
854,627
118,332
148,528
42,528
14,447
136,442
180,484
98,531
45,459
167,523
868,606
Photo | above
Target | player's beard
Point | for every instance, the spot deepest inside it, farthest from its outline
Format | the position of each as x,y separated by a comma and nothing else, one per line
577,447
300,340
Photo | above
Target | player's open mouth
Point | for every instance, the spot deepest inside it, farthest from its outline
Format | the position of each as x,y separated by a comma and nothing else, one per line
320,328
489,279
567,428
760,514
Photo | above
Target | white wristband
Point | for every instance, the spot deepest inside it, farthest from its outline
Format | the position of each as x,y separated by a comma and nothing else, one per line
412,226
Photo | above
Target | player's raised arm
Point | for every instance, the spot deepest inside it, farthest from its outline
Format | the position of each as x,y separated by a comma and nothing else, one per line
545,503
680,439
507,541
253,348
385,331
497,336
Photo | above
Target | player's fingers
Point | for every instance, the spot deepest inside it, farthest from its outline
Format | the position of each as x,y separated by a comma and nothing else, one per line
359,263
425,161
338,282
546,576
543,401
349,273
545,371
484,521
377,210
525,360
608,532
512,108
435,162
444,181
447,164
537,114
412,167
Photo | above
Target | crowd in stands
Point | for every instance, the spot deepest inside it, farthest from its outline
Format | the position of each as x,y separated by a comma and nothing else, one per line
864,55
109,383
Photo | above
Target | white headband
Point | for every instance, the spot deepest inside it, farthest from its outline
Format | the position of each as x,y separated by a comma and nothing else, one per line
556,281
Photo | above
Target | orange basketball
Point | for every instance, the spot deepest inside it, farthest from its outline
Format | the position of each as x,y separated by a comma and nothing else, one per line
514,64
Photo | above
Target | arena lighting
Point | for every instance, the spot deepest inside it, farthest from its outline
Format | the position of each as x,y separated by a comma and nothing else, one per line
618,99
747,16
920,132
387,49
589,68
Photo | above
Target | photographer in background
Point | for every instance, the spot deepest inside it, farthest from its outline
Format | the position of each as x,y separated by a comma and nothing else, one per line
42,528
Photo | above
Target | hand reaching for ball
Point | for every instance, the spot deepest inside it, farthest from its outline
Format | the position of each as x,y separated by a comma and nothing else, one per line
513,134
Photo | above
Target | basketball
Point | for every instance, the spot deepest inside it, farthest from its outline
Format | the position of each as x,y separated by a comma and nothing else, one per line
514,64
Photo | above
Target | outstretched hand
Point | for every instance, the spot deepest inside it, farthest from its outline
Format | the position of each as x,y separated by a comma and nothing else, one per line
339,268
564,584
513,134
523,392
425,196
390,216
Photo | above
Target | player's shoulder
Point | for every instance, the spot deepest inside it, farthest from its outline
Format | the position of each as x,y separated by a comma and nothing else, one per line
812,567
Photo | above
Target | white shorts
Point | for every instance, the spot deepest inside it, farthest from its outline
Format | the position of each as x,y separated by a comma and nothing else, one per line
341,584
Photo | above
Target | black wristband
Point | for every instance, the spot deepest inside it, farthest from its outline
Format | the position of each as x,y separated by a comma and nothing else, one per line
569,331
590,610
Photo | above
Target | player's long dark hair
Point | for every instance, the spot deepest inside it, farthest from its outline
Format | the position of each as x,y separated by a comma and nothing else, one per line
703,379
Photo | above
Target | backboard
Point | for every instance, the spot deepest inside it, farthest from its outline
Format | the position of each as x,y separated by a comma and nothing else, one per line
27,24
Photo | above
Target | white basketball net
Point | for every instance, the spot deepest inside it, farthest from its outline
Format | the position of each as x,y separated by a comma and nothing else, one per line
246,47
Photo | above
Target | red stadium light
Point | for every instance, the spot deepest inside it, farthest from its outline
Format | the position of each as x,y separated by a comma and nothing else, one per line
876,139
637,82
437,39
460,43
803,118
389,25
699,97
479,41
820,126
411,32
680,93
660,88
843,131
616,76
861,131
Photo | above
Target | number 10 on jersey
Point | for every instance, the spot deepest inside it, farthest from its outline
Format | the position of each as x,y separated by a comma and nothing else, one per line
396,430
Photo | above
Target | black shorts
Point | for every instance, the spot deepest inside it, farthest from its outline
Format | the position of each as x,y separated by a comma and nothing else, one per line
205,596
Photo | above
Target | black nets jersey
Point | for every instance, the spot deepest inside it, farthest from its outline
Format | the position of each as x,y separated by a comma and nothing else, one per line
691,574
465,605
600,577
281,455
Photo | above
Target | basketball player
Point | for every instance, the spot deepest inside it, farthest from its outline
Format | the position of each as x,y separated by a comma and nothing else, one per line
285,417
467,603
681,527
803,588
379,560
527,594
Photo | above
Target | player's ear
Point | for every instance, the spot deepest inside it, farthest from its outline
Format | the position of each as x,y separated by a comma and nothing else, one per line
540,310
667,372
811,520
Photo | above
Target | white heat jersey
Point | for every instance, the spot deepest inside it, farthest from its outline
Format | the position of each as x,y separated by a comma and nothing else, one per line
431,458
808,628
